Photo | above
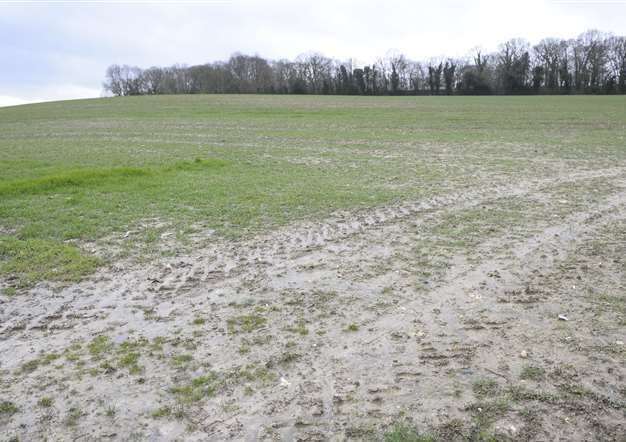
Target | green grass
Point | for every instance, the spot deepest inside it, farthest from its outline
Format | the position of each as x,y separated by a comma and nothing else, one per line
352,327
160,412
8,408
69,179
532,373
483,388
118,173
100,345
404,433
45,402
34,260
252,373
92,177
198,321
34,364
245,323
299,328
130,360
73,416
197,389
181,360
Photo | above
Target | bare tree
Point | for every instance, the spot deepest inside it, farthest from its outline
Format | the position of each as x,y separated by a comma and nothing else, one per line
113,80
448,76
617,59
548,54
152,78
513,65
589,55
594,62
316,68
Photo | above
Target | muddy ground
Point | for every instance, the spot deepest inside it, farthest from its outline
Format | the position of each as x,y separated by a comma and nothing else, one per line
496,313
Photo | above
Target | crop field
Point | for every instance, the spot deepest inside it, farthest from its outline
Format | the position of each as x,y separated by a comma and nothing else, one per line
230,267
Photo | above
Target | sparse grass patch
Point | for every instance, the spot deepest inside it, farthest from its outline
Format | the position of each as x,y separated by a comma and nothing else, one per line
44,359
450,430
110,411
612,303
285,358
107,368
252,373
30,366
73,416
111,357
532,373
520,393
72,356
403,432
8,408
197,389
245,323
156,346
467,228
577,391
99,346
130,360
299,328
483,388
9,291
161,412
45,402
181,360
531,417
198,321
352,327
489,410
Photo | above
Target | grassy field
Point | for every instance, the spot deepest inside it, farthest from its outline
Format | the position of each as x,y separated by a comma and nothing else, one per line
120,174
313,268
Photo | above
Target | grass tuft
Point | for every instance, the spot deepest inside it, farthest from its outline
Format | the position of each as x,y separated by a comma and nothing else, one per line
245,323
532,373
198,389
8,408
405,433
71,178
485,388
162,412
34,260
352,327
99,345
45,402
93,177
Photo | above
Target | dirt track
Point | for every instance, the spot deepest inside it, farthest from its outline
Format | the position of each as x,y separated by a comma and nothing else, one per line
440,313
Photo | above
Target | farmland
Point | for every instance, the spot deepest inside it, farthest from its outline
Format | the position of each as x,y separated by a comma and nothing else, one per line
305,267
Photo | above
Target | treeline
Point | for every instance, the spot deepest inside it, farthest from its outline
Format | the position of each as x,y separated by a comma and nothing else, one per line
592,63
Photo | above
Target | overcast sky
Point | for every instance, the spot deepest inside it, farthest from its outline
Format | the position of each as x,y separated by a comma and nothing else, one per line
52,50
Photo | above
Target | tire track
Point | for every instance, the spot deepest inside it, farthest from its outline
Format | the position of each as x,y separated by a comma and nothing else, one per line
291,241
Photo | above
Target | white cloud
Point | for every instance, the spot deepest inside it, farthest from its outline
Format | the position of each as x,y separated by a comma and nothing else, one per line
53,46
